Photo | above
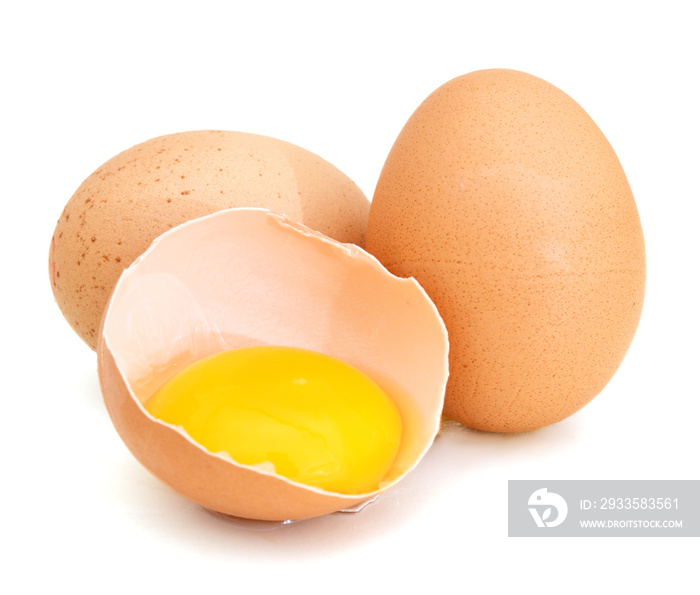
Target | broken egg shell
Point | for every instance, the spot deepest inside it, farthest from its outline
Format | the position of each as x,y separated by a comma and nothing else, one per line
243,277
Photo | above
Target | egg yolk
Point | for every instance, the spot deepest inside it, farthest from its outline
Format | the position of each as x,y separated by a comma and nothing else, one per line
318,420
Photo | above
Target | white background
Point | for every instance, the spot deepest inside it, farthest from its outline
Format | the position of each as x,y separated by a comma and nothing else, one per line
84,81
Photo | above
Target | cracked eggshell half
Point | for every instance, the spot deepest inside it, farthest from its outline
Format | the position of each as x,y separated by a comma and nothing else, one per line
244,277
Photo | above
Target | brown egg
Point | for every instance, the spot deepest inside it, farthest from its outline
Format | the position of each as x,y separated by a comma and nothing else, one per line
505,201
247,277
137,195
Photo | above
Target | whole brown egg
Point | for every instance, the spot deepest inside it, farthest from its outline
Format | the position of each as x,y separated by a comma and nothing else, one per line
134,197
505,201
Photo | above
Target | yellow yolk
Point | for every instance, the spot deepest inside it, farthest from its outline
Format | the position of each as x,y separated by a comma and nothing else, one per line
318,420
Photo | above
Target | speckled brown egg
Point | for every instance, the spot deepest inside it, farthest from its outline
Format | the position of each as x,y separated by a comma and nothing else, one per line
505,201
137,195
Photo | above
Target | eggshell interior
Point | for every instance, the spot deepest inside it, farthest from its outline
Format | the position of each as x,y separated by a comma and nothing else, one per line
244,277
151,187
